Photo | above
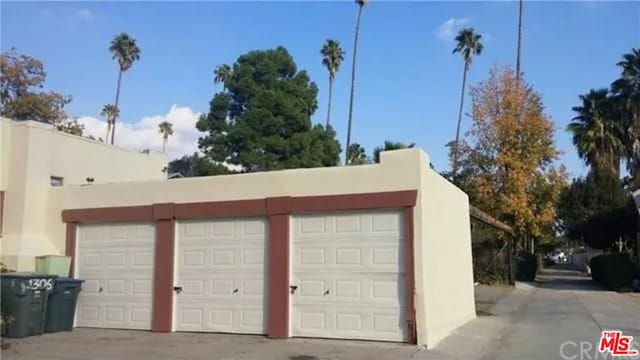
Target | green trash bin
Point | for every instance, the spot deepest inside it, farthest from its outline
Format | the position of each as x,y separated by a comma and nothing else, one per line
53,265
62,305
24,302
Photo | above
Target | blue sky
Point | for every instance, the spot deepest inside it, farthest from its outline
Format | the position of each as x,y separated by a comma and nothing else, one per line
408,82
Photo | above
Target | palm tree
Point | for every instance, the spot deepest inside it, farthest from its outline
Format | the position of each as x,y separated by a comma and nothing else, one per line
519,45
627,92
597,132
361,4
126,52
389,146
222,74
468,44
332,57
109,112
166,129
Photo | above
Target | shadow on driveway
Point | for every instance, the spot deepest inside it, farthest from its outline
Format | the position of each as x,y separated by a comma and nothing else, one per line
565,277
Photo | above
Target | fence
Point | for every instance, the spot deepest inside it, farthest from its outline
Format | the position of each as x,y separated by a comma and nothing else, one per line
492,249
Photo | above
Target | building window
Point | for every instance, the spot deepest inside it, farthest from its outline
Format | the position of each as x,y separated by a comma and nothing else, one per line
56,180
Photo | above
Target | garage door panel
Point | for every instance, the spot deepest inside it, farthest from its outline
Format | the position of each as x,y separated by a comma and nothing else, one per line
381,290
349,225
232,318
350,323
350,272
349,254
100,259
116,261
91,286
224,256
221,268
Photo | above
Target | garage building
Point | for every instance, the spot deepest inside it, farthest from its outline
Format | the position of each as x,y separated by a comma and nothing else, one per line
374,252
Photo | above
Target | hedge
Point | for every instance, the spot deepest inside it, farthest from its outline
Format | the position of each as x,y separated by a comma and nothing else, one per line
613,270
526,266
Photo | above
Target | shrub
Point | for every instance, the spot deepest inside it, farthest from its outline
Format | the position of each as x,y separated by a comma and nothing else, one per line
613,270
526,266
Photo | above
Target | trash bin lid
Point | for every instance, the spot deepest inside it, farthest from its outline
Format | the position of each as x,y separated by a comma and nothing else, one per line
26,275
68,280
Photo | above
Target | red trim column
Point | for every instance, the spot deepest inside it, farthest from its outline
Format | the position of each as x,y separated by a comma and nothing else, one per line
162,319
279,257
70,245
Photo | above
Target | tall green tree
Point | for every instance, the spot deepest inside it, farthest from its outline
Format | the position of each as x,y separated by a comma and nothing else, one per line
196,165
109,112
20,76
222,74
166,129
263,121
626,90
357,155
332,57
597,131
467,45
594,210
389,146
70,126
125,51
361,4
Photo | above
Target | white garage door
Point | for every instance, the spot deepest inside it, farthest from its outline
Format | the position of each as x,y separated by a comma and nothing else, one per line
116,261
350,276
220,280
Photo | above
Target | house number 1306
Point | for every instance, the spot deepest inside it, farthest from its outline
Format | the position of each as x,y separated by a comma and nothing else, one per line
40,284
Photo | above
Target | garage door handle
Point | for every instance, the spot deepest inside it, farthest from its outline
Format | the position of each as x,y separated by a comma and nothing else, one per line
235,291
177,289
293,288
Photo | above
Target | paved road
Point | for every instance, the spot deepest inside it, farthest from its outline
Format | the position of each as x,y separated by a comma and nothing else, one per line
562,317
531,322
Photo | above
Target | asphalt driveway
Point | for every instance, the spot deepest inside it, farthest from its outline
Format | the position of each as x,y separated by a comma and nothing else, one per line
99,344
557,317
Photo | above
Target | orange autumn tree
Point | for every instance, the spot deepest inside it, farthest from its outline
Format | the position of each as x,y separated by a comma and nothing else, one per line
508,157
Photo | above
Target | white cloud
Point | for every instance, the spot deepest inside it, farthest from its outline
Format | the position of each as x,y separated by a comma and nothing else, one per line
448,29
84,15
144,134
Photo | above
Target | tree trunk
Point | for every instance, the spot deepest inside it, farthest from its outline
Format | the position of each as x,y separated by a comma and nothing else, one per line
164,144
329,104
457,143
510,257
519,46
106,139
518,57
533,245
353,84
115,115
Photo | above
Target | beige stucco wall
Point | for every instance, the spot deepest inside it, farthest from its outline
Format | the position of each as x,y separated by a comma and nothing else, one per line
5,146
444,280
446,266
444,286
397,171
33,152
